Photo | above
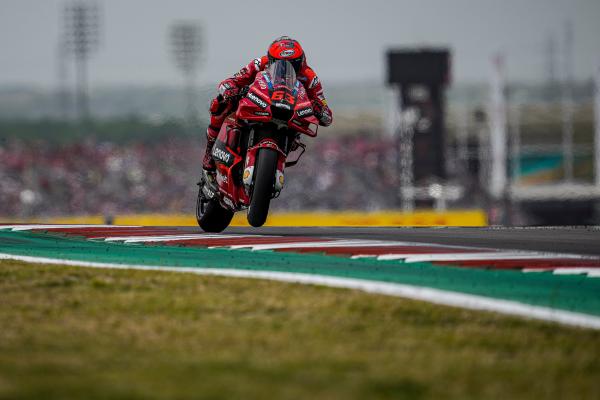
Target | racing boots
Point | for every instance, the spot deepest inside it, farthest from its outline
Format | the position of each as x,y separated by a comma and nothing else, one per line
208,164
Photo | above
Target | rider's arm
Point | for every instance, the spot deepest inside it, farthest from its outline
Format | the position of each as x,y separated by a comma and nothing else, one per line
231,86
314,90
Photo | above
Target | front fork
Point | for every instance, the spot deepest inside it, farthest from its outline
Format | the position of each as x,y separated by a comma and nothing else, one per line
248,174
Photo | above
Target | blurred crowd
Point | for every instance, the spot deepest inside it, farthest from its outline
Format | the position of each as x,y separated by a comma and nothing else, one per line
342,172
45,179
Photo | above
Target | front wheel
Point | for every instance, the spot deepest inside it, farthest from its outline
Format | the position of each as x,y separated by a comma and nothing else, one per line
264,180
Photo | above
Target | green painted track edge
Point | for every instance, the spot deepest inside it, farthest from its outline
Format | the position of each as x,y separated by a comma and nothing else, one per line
575,293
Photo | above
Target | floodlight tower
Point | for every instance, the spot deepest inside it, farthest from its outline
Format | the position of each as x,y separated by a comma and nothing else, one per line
567,103
63,96
82,35
186,46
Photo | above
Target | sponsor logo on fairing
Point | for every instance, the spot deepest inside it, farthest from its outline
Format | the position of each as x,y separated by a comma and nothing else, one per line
221,155
247,177
257,100
283,105
287,53
305,112
262,113
279,180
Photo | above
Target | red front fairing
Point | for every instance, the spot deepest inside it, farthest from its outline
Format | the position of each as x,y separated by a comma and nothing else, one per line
304,120
256,106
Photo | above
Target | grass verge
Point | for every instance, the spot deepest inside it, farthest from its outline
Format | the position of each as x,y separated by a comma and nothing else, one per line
68,332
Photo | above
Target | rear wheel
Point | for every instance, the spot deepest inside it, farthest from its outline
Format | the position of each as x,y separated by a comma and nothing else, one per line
211,216
264,180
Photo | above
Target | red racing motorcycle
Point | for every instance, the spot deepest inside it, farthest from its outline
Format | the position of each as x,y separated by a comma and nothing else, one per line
252,148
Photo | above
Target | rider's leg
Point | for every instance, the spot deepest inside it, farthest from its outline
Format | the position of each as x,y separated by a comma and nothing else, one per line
218,112
211,136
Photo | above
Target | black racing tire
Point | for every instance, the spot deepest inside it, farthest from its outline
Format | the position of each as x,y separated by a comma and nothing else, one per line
211,216
264,180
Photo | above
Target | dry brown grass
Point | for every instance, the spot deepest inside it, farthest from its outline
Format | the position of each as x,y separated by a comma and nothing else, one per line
84,333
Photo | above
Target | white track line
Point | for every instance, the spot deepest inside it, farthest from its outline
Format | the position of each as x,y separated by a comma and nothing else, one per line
430,295
590,272
484,256
429,257
168,238
349,243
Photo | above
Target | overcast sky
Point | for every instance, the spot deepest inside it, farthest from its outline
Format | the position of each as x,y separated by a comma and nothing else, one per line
344,40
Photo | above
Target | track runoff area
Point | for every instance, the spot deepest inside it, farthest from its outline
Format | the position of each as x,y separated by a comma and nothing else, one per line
547,274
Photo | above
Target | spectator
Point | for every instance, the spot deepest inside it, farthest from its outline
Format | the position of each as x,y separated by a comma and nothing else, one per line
42,179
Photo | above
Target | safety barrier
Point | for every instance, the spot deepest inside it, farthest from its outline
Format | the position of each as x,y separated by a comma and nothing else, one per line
474,217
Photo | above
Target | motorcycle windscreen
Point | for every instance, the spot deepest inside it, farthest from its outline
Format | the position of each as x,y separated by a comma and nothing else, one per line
283,97
282,74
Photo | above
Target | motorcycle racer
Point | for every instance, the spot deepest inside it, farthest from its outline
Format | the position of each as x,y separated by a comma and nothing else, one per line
282,48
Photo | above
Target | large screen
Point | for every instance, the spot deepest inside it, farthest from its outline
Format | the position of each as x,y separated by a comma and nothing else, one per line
431,66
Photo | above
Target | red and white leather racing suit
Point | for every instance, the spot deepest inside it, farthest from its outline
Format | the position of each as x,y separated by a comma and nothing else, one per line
220,108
